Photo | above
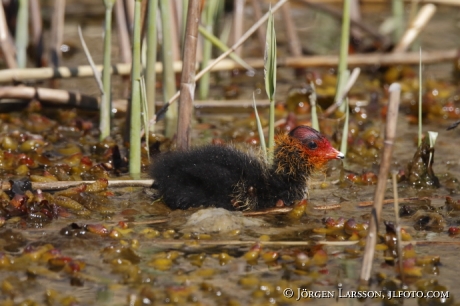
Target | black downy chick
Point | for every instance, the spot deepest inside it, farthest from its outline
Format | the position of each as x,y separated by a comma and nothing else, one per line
223,176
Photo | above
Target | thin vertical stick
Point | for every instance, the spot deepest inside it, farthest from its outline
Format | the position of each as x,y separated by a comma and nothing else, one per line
37,28
57,31
105,108
6,42
238,21
187,84
123,33
390,132
256,7
150,73
295,47
22,33
135,128
168,52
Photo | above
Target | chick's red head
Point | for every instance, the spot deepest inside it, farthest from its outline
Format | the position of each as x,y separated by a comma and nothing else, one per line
317,149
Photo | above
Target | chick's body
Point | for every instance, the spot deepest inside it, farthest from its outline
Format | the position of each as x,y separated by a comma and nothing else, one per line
223,176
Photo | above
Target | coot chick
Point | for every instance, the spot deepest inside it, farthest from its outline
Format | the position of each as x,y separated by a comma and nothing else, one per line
223,176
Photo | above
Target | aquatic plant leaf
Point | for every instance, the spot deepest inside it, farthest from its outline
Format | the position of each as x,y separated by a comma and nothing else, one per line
260,129
432,136
270,58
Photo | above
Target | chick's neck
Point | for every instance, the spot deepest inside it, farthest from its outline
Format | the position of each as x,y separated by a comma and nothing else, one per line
291,160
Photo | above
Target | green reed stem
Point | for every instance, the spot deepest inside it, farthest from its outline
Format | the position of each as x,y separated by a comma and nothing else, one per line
22,33
209,17
260,129
344,41
135,128
184,20
150,73
397,8
169,80
105,108
270,81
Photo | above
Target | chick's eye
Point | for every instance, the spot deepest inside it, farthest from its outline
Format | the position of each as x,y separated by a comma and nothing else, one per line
312,145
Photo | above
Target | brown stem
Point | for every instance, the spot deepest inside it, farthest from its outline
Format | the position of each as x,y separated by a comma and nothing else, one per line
295,47
57,32
238,21
36,28
256,7
6,42
187,84
123,33
390,133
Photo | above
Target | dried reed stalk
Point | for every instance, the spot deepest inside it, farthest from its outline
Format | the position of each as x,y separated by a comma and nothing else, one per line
295,47
60,185
238,22
121,105
417,25
257,10
379,59
187,84
55,96
124,43
22,33
57,32
37,30
129,7
355,14
390,133
351,81
6,42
